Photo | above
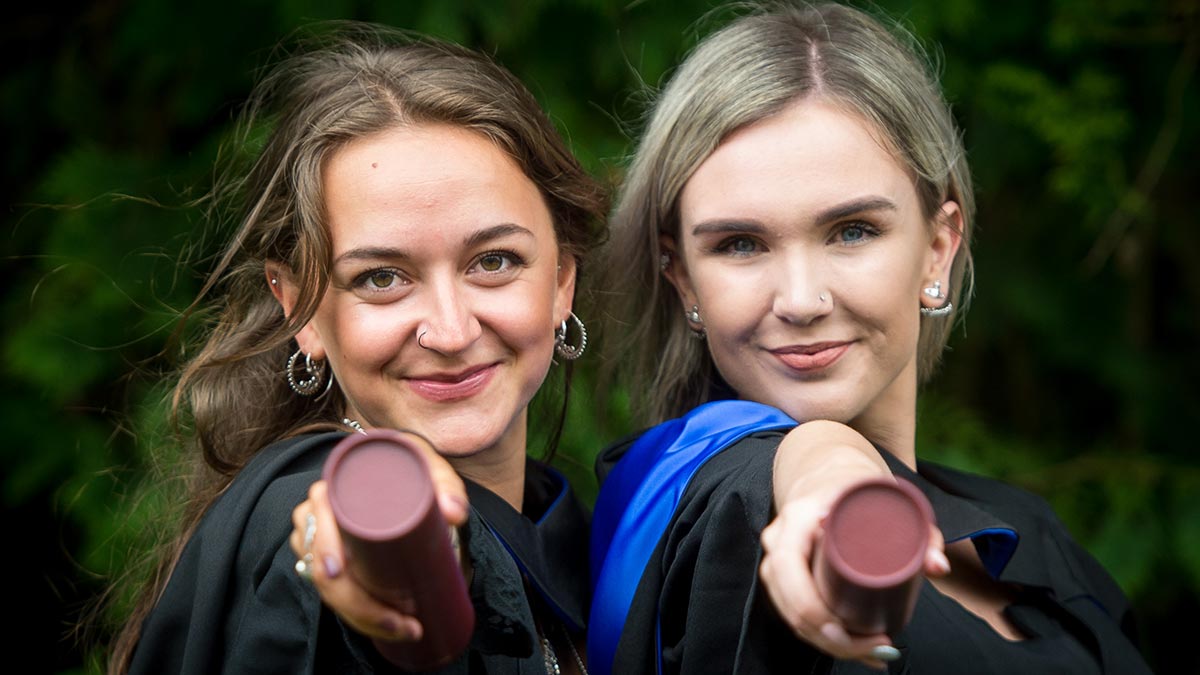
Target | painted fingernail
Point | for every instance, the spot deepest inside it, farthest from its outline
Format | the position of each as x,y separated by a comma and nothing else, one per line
885,653
332,567
940,561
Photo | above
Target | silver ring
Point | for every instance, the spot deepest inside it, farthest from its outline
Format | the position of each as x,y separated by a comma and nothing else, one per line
304,566
310,531
422,337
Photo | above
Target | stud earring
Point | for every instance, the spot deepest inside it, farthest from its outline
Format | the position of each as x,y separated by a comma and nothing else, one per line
664,261
693,317
935,292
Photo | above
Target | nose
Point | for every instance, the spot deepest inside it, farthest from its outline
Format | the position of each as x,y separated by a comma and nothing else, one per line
450,325
802,293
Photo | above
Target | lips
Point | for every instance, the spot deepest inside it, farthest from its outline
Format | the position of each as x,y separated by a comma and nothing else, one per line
443,387
811,357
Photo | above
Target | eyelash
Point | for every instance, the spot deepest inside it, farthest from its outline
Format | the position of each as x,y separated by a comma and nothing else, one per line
363,280
513,258
869,232
726,246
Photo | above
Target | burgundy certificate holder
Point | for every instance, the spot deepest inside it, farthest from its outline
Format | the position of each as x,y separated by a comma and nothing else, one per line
397,542
869,564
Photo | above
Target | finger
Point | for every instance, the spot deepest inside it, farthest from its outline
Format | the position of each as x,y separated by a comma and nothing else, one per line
363,612
936,562
327,542
447,484
299,523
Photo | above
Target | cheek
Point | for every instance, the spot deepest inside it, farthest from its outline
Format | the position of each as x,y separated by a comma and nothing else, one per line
363,337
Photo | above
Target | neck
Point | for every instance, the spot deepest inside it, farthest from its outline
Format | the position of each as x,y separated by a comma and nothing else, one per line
500,468
890,422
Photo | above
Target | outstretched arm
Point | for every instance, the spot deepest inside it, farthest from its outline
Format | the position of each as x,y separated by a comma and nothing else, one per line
340,591
815,463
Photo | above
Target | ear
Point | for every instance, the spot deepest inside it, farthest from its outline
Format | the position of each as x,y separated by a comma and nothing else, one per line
564,293
287,292
943,246
675,271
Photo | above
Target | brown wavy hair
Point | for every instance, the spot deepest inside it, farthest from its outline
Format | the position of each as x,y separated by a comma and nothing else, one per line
345,81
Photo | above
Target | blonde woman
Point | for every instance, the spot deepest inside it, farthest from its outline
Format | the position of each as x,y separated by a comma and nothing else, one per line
798,220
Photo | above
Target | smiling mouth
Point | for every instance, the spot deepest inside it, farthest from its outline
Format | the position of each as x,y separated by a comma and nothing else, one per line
810,358
443,387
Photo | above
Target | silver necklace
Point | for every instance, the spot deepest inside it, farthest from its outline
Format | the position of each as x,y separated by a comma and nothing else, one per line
551,659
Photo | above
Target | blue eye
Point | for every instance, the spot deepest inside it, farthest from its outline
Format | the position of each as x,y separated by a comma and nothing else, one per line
853,233
739,246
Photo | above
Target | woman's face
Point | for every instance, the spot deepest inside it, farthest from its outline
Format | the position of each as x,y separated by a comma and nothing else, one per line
445,290
803,243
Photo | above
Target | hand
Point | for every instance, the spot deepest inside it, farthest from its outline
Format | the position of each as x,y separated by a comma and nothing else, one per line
786,570
340,591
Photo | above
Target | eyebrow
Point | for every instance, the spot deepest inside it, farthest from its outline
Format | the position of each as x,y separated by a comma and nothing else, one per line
854,206
750,226
495,232
474,239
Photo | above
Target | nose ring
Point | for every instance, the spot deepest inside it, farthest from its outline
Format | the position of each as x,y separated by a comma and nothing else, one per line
422,337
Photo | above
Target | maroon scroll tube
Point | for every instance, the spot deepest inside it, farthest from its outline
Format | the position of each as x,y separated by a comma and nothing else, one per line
398,544
869,564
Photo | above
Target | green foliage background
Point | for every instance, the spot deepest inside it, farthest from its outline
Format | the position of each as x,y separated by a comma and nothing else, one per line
1074,375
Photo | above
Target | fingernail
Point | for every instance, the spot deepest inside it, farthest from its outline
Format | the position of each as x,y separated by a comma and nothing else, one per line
332,567
940,561
414,629
834,632
885,653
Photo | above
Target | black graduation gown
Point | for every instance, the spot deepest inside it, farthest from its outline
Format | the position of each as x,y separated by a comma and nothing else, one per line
235,604
702,585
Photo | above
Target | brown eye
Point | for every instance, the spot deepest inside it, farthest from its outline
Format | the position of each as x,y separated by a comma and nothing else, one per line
381,279
493,262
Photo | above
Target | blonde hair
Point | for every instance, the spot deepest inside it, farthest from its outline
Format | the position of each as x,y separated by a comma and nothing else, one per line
747,71
346,83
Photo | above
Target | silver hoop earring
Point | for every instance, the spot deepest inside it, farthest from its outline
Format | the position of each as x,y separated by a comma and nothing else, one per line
570,352
314,371
422,337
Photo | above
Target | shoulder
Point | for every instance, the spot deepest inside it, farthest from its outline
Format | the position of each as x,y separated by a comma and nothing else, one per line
984,489
1071,568
233,595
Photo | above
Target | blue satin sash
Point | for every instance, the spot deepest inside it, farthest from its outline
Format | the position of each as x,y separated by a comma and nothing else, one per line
638,500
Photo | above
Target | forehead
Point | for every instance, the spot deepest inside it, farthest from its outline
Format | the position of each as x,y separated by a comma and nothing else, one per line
807,157
428,183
